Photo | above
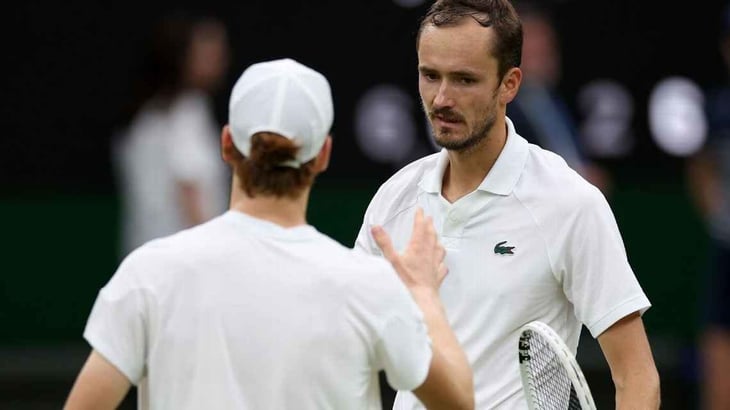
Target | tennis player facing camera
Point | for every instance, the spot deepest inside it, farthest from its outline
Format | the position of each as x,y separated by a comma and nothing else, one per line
256,309
527,238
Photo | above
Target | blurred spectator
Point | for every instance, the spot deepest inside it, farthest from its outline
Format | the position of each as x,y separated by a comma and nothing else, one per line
709,178
539,111
167,161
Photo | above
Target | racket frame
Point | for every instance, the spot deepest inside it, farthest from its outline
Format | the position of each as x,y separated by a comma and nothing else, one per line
567,360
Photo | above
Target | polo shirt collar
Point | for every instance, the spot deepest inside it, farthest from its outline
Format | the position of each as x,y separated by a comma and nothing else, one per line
432,178
506,171
500,180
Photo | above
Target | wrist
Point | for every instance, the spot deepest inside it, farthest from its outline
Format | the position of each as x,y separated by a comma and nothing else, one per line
424,293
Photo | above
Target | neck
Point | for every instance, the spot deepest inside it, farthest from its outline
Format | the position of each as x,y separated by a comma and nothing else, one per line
284,211
468,168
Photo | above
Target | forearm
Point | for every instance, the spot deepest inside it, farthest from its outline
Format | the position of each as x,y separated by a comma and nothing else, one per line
638,391
442,336
449,383
458,380
629,356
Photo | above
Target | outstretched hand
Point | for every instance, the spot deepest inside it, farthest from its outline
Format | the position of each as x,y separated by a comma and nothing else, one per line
422,262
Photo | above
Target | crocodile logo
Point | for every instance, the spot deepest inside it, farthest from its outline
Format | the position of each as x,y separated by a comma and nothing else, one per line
500,249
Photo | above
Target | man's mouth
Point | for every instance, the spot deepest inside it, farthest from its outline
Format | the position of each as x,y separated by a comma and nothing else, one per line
446,119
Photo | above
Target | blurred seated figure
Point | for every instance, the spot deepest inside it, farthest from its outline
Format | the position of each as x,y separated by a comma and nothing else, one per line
539,111
167,161
709,179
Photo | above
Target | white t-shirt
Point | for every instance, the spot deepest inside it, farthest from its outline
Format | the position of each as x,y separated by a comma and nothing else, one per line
534,241
240,313
161,148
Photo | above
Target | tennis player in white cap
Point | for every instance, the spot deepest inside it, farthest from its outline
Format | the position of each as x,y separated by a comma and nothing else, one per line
256,309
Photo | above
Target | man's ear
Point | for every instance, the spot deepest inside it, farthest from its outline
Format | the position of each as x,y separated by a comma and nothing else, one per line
510,85
227,147
322,160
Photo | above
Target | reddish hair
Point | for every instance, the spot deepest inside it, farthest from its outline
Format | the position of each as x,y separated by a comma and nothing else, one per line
261,173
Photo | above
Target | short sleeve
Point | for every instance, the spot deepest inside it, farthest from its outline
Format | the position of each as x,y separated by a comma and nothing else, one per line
364,241
116,325
404,352
598,279
403,346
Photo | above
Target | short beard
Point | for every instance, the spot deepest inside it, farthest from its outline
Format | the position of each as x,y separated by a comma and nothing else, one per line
474,139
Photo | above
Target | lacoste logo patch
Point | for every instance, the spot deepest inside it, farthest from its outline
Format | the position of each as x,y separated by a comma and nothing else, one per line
500,249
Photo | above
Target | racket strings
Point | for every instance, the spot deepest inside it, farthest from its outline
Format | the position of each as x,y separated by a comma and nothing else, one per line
548,380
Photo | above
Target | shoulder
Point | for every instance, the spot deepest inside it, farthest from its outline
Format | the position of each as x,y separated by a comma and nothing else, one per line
400,191
409,176
145,124
191,99
365,282
136,270
155,253
551,185
356,268
168,255
375,284
190,103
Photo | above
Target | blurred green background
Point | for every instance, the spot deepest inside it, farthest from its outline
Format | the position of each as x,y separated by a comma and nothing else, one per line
63,250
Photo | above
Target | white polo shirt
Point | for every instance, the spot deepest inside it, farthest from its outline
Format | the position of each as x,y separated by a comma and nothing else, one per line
240,313
534,241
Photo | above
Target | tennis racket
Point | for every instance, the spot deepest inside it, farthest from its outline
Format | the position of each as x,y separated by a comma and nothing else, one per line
551,377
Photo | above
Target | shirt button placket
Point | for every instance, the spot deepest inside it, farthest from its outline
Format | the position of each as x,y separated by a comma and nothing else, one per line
452,229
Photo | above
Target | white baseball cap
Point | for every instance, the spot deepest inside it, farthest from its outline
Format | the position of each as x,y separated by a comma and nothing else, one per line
283,97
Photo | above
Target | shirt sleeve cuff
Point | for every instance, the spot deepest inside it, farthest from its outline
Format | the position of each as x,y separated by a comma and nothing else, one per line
105,350
638,303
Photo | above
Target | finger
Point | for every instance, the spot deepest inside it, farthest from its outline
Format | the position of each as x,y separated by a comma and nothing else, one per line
431,238
418,224
443,270
440,253
424,232
382,239
419,212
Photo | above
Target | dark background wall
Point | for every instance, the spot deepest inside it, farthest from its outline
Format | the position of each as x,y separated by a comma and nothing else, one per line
67,69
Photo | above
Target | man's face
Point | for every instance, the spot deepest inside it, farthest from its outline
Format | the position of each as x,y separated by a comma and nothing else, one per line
208,56
458,83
